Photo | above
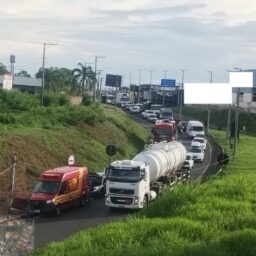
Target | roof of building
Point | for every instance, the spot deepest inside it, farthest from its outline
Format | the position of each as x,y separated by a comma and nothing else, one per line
24,81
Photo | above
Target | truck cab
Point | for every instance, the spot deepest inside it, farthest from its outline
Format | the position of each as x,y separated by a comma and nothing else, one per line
166,114
164,130
156,108
127,184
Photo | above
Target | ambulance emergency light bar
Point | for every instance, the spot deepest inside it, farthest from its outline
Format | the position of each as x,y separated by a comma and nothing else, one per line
216,93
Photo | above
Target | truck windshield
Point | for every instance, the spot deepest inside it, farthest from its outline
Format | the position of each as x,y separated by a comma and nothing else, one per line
110,97
168,114
125,99
49,187
159,131
153,107
197,128
123,175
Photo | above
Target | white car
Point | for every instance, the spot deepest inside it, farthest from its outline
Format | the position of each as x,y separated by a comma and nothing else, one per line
201,140
152,118
135,109
140,105
189,162
197,153
146,112
195,144
127,106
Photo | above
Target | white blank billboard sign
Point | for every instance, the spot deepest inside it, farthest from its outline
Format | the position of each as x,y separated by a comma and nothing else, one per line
207,93
7,82
241,79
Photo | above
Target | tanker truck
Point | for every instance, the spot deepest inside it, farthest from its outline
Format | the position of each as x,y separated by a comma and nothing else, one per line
134,183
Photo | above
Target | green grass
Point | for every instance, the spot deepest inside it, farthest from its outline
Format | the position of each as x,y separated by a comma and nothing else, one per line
212,218
56,132
218,118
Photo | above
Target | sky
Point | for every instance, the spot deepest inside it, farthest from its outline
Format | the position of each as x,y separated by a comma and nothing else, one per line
147,35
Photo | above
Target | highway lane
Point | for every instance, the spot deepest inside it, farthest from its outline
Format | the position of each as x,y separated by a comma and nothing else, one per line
48,229
54,228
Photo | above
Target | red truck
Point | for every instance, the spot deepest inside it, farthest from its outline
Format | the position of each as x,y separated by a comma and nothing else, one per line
164,130
59,188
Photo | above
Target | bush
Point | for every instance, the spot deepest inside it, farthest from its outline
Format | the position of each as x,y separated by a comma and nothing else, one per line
17,101
87,100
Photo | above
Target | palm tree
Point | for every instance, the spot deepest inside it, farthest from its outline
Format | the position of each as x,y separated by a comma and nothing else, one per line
85,76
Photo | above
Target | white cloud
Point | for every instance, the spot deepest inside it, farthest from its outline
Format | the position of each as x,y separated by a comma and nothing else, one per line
146,34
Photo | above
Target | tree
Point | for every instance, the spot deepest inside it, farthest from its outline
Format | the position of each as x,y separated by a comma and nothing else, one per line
23,73
3,69
85,77
56,79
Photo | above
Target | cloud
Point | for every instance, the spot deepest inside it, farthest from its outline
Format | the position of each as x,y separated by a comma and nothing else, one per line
146,34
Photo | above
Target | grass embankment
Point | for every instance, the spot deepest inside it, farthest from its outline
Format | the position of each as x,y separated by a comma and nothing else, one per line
219,117
213,218
44,137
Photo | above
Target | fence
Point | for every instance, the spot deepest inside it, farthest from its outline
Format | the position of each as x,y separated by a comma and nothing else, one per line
9,198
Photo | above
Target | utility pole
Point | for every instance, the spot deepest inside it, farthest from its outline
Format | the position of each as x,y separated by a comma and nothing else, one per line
98,91
13,179
236,118
150,84
209,107
165,71
95,80
181,98
139,86
228,123
236,123
43,71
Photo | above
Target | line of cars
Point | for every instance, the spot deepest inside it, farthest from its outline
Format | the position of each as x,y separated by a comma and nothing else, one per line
196,151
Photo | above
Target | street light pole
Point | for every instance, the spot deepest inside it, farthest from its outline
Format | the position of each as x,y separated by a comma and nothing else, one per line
150,84
209,107
95,70
180,101
43,71
139,86
165,71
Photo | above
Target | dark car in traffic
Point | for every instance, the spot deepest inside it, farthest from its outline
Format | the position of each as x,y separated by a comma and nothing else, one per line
98,184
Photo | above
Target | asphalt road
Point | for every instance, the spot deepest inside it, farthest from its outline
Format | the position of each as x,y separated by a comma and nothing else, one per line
53,228
48,229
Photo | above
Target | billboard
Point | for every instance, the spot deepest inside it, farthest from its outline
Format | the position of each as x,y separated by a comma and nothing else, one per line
7,82
168,82
113,80
216,93
207,93
241,79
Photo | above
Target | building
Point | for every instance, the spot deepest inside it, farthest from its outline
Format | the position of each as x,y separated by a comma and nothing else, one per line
24,84
247,96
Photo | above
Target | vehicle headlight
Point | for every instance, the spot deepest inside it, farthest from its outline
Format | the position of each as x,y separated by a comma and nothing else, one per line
136,200
97,188
107,199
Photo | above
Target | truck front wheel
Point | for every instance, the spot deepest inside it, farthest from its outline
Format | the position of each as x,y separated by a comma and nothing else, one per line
145,201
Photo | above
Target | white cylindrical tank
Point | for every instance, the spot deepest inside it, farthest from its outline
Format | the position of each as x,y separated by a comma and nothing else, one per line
162,158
